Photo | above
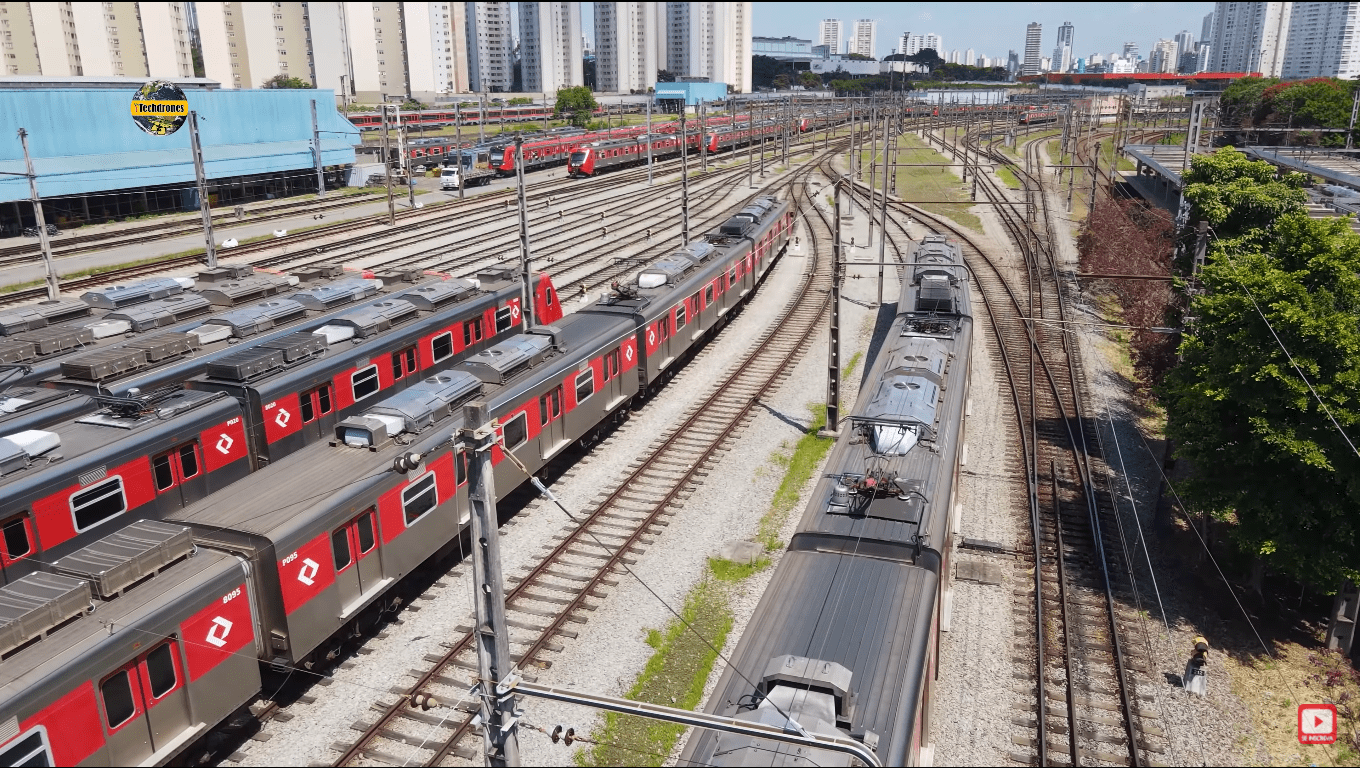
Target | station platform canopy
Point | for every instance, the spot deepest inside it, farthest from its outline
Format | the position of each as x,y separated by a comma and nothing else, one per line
1339,166
84,141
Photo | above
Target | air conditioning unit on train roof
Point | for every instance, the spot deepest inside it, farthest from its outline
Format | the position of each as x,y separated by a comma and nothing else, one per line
410,410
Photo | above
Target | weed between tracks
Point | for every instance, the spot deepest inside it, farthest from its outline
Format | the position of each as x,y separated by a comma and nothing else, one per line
1007,177
940,185
798,467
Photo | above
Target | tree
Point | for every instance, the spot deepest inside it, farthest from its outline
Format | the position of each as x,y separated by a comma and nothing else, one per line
1267,455
520,101
809,79
665,76
284,81
1237,195
859,57
782,81
578,104
927,58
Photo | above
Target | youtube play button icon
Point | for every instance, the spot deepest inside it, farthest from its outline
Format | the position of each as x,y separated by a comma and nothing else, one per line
1317,723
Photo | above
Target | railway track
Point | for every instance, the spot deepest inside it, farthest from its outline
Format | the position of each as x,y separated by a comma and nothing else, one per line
594,551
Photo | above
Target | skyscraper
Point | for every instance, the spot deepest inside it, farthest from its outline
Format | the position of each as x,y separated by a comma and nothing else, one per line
864,38
1062,54
829,34
1033,41
1250,37
625,46
1320,43
1165,56
1207,28
489,46
710,40
550,46
101,39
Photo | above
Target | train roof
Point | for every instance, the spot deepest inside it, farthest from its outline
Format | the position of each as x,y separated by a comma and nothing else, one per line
87,642
281,502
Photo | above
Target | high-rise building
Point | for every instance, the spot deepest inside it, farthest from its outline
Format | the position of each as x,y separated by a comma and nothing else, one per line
1250,37
625,46
1062,53
245,44
970,58
1323,41
955,57
1185,41
1207,28
1012,62
96,39
436,48
1165,57
710,40
489,46
550,46
1033,41
1203,56
828,34
933,42
1130,51
864,38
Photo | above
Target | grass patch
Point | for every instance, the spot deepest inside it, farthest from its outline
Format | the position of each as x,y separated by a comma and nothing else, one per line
730,572
674,677
850,366
940,186
21,286
798,467
1007,177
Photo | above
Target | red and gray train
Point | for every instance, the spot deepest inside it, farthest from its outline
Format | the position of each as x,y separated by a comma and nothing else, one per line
155,629
845,640
592,158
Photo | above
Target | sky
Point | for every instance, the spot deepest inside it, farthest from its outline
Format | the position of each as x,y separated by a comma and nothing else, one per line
992,29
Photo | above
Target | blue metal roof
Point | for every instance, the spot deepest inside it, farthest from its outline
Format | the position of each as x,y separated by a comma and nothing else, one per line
691,92
85,141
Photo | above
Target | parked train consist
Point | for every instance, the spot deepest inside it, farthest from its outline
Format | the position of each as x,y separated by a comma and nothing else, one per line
103,664
845,639
590,159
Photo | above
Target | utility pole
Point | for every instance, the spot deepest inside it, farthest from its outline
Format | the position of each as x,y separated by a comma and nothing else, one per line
458,139
883,212
494,663
873,174
201,177
762,146
684,177
526,290
387,165
703,135
649,142
316,155
833,348
1355,112
481,118
750,147
53,289
344,94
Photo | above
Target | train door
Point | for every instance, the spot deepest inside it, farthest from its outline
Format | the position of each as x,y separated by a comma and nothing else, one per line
554,431
694,306
612,381
178,473
404,363
314,406
355,571
146,704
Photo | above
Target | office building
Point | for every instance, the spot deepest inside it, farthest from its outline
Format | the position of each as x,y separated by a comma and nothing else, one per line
1062,53
783,48
1250,37
1033,41
625,46
829,34
489,47
550,46
711,40
864,37
96,39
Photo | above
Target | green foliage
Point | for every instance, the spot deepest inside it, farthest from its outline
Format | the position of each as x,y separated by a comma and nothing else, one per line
1237,195
807,456
1319,102
859,57
809,80
577,104
728,571
1265,452
520,101
284,81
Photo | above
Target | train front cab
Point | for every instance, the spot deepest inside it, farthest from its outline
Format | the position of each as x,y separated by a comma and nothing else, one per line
141,677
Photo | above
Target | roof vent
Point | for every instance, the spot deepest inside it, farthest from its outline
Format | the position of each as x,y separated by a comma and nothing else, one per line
122,559
664,272
36,604
248,321
246,364
119,296
435,295
935,295
315,272
411,275
40,315
56,338
507,358
736,226
296,346
226,273
376,318
134,355
163,312
18,448
412,410
16,351
231,293
323,297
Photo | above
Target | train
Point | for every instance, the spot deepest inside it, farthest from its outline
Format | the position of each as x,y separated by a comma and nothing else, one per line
494,113
845,639
132,647
1039,117
590,159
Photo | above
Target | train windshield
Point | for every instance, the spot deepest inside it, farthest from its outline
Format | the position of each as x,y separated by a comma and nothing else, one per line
578,157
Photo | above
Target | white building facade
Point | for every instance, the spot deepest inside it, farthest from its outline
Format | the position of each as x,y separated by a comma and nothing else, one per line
626,46
96,39
711,40
830,34
1322,41
1250,37
1062,53
864,37
550,46
490,46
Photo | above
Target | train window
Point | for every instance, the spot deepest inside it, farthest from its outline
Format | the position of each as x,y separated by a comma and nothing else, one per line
15,534
419,497
460,468
365,382
323,399
663,330
442,346
98,503
516,431
708,295
316,402
472,331
188,461
680,317
119,706
548,296
403,363
306,407
612,363
585,385
695,304
554,402
163,473
160,670
31,750
340,548
504,319
364,528
731,276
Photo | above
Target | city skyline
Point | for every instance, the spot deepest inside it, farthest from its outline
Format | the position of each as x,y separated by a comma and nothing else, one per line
1100,28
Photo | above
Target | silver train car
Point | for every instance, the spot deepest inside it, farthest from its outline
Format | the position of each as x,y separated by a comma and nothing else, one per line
845,640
